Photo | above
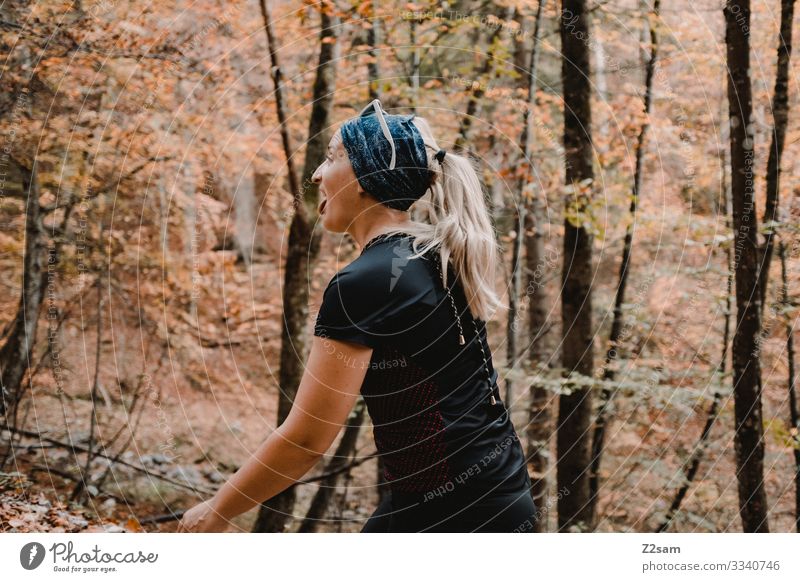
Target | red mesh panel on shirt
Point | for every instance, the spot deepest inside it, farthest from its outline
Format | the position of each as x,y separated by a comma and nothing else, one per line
403,403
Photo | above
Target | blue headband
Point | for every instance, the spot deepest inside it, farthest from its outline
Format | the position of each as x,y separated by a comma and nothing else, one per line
388,156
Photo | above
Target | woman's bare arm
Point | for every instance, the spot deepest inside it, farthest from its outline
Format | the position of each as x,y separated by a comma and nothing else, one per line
327,393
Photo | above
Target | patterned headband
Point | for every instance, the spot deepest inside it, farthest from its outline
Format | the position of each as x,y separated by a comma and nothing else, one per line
388,156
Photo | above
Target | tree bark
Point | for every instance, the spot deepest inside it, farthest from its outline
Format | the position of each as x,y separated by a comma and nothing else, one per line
575,408
479,88
780,114
373,40
348,442
415,63
519,211
303,245
537,432
749,435
16,352
794,411
341,458
374,76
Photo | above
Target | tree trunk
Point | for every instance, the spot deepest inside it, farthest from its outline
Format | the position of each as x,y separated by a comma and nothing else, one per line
373,40
527,81
749,435
374,76
780,114
697,455
479,88
598,437
349,440
601,87
521,54
303,244
15,355
341,458
575,408
794,414
539,428
526,175
537,431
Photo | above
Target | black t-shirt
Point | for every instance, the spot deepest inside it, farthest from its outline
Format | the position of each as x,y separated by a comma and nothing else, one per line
427,395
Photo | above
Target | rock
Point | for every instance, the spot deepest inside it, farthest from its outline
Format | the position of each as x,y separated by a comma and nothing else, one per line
186,474
214,476
154,459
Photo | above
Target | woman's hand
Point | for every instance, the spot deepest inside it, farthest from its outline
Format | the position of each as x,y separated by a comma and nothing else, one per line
202,519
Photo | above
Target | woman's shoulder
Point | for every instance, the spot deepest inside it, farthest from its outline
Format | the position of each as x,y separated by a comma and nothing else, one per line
388,269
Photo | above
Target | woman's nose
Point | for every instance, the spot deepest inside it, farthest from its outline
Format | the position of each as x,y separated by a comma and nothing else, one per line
317,176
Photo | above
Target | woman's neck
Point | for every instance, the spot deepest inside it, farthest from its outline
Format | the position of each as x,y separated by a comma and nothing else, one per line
375,227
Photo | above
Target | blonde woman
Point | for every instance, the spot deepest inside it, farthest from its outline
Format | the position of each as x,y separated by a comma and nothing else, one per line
404,325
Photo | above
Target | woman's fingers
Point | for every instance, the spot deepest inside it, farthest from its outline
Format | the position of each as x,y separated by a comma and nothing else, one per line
183,527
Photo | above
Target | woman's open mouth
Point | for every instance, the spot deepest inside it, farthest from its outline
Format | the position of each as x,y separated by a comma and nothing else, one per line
322,204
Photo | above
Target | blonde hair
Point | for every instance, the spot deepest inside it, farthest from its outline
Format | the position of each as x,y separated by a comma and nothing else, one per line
453,216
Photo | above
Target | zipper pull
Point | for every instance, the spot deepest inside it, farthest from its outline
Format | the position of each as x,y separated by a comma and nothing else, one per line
461,341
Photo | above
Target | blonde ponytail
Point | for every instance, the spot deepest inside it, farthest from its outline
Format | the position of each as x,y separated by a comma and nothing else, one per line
453,216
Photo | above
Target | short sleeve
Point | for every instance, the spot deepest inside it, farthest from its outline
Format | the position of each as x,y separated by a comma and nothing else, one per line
365,306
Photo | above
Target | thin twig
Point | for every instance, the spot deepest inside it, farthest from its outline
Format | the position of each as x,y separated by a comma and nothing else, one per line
80,449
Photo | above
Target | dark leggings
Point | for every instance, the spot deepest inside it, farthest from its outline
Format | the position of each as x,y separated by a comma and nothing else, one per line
494,513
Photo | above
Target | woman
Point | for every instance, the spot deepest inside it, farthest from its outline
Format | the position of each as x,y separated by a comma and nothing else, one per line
407,334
